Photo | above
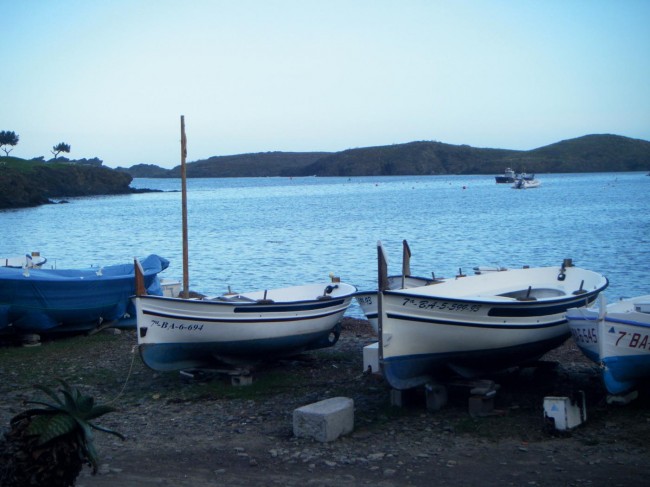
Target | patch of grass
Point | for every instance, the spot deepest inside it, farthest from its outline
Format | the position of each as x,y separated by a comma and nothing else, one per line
72,359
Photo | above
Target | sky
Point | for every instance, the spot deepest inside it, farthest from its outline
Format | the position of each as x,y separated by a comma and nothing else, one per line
112,78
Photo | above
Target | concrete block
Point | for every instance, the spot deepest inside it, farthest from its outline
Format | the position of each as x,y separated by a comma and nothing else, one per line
324,420
371,358
241,380
480,406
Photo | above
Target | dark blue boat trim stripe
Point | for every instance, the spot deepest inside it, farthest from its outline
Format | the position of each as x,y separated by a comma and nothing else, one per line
256,308
506,326
531,310
236,320
611,319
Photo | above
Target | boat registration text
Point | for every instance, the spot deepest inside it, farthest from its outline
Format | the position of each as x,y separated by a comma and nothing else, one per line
633,340
166,325
440,305
584,335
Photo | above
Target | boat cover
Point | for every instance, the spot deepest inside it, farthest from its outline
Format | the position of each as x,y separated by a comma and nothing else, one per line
33,300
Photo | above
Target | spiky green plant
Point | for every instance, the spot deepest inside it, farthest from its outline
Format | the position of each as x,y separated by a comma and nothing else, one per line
50,445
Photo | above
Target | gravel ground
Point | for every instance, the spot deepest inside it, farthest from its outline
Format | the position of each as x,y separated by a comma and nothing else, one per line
204,431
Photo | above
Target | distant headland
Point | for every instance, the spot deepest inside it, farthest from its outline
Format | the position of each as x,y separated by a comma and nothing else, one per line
590,153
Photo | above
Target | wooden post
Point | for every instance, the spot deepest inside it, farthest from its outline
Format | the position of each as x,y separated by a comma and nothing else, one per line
140,289
186,274
406,262
382,285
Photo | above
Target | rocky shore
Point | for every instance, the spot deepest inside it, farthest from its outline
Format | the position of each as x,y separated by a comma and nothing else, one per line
204,431
42,183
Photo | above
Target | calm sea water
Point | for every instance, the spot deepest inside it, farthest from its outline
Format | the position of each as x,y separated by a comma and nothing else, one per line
256,233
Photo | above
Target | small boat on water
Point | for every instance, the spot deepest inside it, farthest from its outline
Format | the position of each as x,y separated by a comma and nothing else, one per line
29,261
521,183
37,301
615,336
474,325
509,176
239,329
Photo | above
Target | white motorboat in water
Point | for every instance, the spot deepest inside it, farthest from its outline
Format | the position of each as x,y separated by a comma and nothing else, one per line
477,324
521,183
615,336
509,176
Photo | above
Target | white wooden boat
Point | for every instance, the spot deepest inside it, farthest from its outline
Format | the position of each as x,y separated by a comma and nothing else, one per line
177,334
33,260
368,299
477,324
617,337
183,333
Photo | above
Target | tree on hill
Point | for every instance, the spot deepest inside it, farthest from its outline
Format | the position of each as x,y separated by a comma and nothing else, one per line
61,147
8,138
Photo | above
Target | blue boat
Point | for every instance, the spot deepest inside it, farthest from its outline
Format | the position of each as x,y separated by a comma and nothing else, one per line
55,300
615,336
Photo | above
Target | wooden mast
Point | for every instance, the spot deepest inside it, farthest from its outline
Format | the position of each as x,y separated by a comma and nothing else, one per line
406,262
186,274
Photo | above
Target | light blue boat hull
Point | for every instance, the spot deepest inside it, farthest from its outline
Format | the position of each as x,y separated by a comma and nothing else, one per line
54,300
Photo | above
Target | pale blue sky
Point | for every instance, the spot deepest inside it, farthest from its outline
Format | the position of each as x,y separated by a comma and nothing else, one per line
111,78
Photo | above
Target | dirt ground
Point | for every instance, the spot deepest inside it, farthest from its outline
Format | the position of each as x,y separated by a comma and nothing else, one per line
203,431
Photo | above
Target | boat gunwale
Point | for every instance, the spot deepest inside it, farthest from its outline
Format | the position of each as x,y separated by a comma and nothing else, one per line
501,301
259,320
260,306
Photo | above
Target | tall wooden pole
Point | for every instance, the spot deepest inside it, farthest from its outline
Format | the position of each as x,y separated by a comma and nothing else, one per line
186,274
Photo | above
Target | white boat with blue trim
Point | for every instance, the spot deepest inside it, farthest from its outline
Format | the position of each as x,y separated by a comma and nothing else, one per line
367,300
521,183
239,329
235,329
615,336
478,324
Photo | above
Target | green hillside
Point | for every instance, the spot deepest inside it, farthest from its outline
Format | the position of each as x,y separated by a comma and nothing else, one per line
260,165
591,153
31,183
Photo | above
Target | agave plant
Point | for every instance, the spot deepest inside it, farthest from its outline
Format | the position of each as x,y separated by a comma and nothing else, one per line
50,445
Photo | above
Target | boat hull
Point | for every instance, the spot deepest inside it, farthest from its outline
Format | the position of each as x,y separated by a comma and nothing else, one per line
618,339
479,324
66,300
176,334
367,300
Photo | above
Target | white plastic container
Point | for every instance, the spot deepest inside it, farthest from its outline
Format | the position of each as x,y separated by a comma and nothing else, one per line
371,358
565,413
